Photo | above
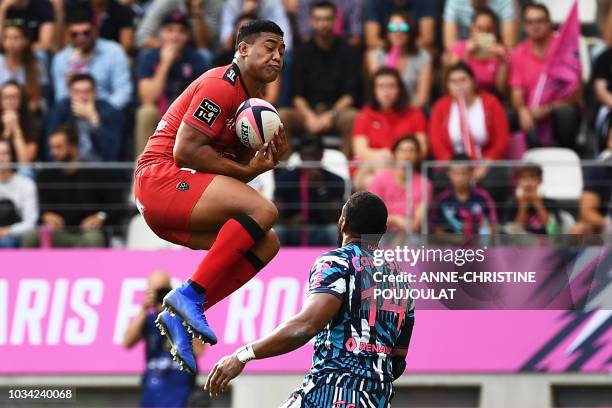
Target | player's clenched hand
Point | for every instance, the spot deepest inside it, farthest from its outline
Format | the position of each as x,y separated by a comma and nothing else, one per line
228,368
262,161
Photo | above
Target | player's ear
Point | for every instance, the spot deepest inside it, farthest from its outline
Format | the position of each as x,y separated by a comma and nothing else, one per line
243,49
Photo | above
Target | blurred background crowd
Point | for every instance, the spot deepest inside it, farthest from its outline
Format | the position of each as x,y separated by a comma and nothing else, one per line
438,106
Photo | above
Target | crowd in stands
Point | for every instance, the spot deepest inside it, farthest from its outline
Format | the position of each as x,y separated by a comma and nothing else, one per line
388,83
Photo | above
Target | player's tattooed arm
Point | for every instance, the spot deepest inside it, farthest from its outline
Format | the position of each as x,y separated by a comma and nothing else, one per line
193,149
317,312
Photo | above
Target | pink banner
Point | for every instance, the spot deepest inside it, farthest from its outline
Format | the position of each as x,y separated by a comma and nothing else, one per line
66,312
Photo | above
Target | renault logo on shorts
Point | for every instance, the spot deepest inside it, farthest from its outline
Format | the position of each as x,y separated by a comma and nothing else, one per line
182,186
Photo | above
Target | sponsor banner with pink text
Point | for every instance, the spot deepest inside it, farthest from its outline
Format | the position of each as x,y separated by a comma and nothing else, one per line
66,311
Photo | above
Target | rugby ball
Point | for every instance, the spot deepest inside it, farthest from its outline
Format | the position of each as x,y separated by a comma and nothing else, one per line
256,122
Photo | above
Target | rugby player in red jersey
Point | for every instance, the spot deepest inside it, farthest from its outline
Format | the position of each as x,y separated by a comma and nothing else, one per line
190,185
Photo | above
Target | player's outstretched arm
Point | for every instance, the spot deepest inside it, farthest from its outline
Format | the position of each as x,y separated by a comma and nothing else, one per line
193,149
317,312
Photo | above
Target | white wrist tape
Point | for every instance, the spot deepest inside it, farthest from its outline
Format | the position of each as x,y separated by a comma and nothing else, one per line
245,354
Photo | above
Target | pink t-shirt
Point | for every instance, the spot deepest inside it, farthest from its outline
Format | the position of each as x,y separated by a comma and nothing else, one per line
485,70
393,194
525,68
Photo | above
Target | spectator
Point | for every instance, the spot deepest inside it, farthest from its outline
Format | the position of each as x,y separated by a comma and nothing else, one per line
98,123
483,52
16,124
264,9
205,21
225,56
528,211
378,13
482,128
19,63
18,201
348,24
458,14
325,81
595,208
36,15
526,66
602,81
71,199
309,200
163,73
463,209
163,382
402,53
392,187
104,60
114,19
380,124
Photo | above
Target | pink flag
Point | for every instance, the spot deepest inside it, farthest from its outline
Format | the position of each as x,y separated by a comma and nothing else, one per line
561,73
392,60
339,23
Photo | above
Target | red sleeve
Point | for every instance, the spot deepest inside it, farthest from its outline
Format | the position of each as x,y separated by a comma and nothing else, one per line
497,127
420,124
211,104
438,134
361,125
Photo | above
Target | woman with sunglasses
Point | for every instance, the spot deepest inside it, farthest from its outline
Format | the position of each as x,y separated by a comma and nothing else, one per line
403,54
19,63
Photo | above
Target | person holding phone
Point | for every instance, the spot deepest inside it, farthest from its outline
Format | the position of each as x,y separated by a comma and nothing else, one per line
163,382
484,53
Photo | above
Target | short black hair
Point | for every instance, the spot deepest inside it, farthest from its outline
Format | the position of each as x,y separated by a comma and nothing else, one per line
537,6
459,66
323,4
366,214
533,169
69,130
82,77
79,14
460,157
249,30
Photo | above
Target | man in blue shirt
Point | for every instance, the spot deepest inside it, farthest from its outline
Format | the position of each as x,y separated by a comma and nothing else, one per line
104,60
163,73
361,338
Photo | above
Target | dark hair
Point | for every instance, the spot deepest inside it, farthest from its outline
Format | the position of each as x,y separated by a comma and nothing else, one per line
460,157
413,33
249,30
366,214
244,16
323,4
78,15
30,64
69,130
82,77
486,11
407,138
537,6
529,169
459,66
12,150
25,121
403,97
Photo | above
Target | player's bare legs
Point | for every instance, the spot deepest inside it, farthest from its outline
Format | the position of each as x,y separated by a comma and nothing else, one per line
242,218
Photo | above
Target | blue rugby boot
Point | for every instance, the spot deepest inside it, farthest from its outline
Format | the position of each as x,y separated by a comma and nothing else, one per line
180,341
187,304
